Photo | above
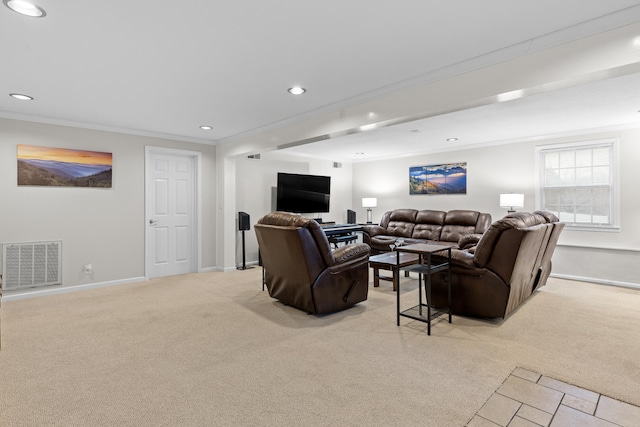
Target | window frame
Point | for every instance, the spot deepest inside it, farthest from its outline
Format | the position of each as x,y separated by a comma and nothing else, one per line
614,183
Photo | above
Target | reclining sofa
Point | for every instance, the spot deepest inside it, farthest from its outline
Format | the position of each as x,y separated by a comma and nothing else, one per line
511,260
425,226
301,269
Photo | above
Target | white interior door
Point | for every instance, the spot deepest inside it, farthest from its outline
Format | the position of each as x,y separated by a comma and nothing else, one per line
171,213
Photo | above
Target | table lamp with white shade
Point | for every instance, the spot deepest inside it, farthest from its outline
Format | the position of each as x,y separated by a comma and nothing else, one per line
369,203
511,201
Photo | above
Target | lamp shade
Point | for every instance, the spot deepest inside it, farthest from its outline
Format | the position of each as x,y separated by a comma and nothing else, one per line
511,200
369,202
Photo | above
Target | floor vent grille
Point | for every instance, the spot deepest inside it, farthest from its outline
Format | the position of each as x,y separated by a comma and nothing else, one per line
28,265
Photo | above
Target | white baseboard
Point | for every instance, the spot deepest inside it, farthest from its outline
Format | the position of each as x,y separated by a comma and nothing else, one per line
237,267
597,281
248,264
54,290
66,289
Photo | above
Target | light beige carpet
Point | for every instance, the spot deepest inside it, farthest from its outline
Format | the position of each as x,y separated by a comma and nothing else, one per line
214,350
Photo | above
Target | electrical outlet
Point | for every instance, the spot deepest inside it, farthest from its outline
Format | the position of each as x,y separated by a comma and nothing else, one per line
88,269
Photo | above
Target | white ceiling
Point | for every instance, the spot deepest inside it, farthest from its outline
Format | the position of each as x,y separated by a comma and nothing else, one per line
606,104
164,68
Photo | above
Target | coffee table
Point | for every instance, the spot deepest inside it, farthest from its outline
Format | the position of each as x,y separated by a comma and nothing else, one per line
391,261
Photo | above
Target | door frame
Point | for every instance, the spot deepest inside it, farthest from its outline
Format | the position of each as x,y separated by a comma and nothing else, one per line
197,202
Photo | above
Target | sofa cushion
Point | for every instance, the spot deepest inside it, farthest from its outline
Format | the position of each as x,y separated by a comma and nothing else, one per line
430,217
427,231
400,228
461,217
398,223
428,225
458,223
453,233
403,215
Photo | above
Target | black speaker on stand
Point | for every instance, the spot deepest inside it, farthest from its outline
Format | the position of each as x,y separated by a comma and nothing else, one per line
243,225
351,216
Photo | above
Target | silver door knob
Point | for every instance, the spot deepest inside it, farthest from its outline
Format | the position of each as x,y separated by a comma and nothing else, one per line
153,222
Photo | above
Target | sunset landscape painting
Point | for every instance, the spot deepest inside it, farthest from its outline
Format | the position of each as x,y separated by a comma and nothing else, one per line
450,178
61,167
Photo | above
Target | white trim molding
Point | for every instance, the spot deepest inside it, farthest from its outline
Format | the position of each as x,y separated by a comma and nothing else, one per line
56,290
597,281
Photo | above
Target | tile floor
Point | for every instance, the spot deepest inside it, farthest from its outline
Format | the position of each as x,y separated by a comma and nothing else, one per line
528,399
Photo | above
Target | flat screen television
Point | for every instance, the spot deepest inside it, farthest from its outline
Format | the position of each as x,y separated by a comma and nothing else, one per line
303,193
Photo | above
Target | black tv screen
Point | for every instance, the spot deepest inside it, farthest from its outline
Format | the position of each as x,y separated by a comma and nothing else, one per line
303,193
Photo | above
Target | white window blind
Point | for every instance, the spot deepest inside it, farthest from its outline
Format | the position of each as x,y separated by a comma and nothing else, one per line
577,183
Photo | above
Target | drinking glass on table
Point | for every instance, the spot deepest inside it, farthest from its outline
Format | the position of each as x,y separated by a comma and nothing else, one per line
399,242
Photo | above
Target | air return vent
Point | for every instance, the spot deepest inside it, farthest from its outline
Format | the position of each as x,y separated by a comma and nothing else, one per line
28,265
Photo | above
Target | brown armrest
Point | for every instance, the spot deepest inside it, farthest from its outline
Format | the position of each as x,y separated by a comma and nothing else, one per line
374,230
462,263
349,253
469,240
462,258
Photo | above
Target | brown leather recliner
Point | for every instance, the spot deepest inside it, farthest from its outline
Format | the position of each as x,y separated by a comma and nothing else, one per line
301,269
511,260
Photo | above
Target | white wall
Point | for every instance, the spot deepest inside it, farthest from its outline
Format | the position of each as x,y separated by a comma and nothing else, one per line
257,179
601,256
104,227
488,175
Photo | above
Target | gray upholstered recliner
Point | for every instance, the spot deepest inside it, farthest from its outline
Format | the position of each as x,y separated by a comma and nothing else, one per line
511,260
301,269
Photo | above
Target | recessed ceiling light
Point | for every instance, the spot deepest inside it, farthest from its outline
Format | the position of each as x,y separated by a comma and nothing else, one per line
296,90
452,139
206,127
21,96
25,8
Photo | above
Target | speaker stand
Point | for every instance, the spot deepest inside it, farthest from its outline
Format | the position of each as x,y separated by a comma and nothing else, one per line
244,259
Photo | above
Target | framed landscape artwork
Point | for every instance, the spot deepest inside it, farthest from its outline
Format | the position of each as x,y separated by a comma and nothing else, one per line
450,178
61,167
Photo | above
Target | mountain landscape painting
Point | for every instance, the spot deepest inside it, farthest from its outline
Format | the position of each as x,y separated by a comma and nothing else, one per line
61,167
450,178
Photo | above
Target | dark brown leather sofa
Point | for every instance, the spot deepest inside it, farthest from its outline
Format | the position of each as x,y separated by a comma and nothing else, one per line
511,260
424,226
301,269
